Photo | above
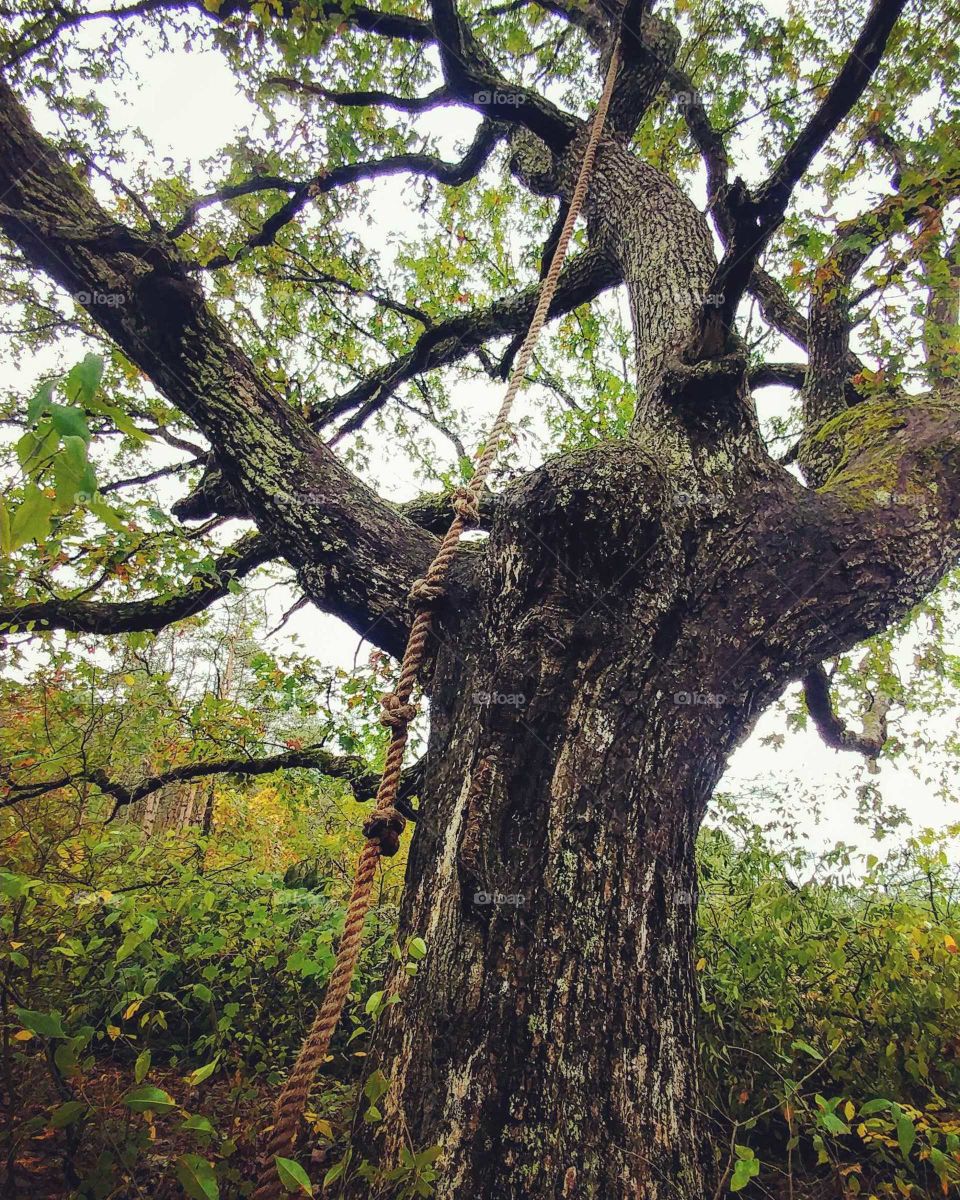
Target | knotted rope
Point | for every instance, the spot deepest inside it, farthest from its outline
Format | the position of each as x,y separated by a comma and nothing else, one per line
385,824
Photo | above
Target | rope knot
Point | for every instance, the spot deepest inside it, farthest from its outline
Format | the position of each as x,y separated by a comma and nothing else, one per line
394,712
424,593
466,504
384,826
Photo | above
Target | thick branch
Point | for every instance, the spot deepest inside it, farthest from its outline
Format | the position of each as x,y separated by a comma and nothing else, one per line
85,616
824,393
363,782
354,554
472,77
816,693
754,217
777,374
446,342
941,333
409,104
451,174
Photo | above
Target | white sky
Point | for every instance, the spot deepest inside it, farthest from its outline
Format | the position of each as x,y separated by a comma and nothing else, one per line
188,107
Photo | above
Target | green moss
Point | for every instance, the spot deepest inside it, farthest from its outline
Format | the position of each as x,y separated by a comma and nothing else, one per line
874,453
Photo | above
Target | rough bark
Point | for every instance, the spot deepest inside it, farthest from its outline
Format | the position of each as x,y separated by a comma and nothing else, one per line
619,640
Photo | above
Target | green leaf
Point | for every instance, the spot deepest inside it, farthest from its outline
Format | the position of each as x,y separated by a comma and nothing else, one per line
149,1099
40,401
832,1123
36,447
417,948
69,421
31,521
46,1024
67,1113
197,1124
141,1066
293,1176
807,1049
84,379
73,477
376,1086
334,1173
745,1170
202,1073
197,1178
906,1135
6,536
109,516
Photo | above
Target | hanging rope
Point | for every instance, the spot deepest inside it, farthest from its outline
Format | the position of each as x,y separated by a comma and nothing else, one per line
385,824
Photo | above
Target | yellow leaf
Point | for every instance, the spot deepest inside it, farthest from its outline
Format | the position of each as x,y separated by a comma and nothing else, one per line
113,1032
849,1110
16,945
701,963
950,943
129,680
131,1009
22,1035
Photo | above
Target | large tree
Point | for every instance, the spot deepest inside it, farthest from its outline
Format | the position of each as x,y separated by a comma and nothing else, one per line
656,579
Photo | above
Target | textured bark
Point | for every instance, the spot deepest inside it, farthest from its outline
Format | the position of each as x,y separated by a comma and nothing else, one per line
617,641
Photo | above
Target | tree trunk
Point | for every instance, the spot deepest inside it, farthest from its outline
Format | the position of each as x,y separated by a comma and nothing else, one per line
580,723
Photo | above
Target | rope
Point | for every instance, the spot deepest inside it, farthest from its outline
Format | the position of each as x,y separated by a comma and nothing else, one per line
385,824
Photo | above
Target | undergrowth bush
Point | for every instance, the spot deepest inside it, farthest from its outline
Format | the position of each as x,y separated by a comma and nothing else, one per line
830,1024
155,989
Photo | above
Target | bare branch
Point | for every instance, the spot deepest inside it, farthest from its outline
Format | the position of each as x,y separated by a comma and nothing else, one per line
363,782
414,163
409,104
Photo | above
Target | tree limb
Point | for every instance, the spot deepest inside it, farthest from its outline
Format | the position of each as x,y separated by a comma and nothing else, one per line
754,216
363,782
354,554
825,389
869,742
473,79
86,616
409,104
451,174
